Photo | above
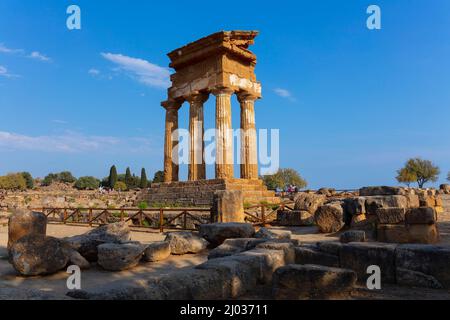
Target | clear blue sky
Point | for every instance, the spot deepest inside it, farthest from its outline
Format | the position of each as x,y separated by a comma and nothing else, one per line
354,104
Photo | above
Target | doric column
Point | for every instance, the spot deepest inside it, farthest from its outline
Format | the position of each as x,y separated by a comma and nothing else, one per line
249,159
197,168
224,135
170,146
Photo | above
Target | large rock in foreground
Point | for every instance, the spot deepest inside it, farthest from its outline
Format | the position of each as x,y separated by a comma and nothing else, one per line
86,244
25,222
39,255
330,217
183,242
157,251
217,233
296,281
119,256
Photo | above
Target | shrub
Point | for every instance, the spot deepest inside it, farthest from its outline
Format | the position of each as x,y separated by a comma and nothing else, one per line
13,181
142,205
120,186
66,177
28,180
87,183
283,178
159,176
49,179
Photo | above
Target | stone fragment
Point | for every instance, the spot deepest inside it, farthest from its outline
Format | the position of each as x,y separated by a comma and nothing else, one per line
352,236
431,260
355,205
182,242
330,247
266,233
286,247
157,251
294,282
217,233
422,215
119,256
381,191
329,217
411,278
25,222
309,202
75,258
423,233
358,256
294,218
86,244
39,255
392,233
305,255
373,203
390,215
228,206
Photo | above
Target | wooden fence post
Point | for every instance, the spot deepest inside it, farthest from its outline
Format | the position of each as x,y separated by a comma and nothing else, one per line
161,220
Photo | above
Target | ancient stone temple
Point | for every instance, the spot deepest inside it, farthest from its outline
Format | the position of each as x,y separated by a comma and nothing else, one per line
219,65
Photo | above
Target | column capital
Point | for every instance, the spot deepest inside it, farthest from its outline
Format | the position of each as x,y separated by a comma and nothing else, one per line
246,96
196,97
172,105
222,91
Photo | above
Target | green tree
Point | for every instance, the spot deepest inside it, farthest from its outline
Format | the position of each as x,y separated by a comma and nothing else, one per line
87,183
66,177
120,186
143,182
405,176
284,177
13,181
128,178
159,176
112,179
28,179
49,179
423,170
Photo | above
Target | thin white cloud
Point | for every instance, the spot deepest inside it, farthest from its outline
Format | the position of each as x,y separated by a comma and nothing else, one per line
94,72
142,70
59,121
39,56
4,49
73,142
5,73
284,93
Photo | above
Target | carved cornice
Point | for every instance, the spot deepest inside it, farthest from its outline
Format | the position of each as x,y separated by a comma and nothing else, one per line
243,96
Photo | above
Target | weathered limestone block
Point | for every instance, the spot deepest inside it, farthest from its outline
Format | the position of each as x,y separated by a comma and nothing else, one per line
86,244
428,259
352,236
381,191
286,247
422,215
157,251
228,206
394,201
119,256
182,242
358,256
25,222
217,233
38,254
309,202
269,260
390,215
294,281
266,233
392,233
309,255
330,247
294,218
423,233
427,201
75,258
445,188
413,200
327,191
330,217
411,278
355,205
225,250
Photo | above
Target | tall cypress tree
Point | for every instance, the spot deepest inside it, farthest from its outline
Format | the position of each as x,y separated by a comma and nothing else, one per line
112,177
144,182
129,179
